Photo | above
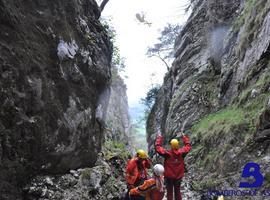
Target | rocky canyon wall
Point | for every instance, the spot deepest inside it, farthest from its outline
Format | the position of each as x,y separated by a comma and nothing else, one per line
218,88
54,87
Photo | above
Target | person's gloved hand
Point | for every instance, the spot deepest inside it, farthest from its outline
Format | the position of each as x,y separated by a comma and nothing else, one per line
180,134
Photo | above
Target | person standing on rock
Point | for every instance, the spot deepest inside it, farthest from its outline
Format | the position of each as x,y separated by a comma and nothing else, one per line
152,188
173,163
136,169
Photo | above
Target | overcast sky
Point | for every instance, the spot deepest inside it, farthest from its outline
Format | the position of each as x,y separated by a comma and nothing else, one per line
133,38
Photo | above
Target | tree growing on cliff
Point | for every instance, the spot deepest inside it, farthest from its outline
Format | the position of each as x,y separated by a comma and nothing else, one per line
164,48
150,99
118,62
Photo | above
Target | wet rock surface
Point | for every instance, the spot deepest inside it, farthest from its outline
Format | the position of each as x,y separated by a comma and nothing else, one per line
55,70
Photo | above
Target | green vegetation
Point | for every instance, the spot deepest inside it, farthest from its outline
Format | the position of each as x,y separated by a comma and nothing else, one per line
86,173
251,20
150,99
224,121
255,107
267,180
221,120
261,84
197,151
114,148
223,129
249,6
151,95
164,48
118,62
246,110
204,184
210,158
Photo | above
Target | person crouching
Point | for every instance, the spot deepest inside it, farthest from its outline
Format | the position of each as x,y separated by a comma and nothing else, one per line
151,189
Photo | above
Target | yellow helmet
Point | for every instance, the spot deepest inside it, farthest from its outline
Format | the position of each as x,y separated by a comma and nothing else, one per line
142,154
174,144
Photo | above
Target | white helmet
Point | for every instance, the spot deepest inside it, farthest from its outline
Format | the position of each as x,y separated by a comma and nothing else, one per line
158,169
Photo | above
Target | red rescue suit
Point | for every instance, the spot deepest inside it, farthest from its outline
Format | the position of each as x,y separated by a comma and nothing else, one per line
136,171
174,165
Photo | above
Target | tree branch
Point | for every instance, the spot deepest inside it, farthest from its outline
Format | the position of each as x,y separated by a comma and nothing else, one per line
103,4
163,60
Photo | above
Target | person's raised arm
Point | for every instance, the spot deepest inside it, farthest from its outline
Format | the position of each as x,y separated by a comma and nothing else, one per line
158,146
187,146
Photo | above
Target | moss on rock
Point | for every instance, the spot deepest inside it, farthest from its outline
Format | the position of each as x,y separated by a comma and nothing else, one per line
113,148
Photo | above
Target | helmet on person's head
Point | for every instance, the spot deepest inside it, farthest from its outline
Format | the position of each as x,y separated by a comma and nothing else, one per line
174,144
142,154
158,169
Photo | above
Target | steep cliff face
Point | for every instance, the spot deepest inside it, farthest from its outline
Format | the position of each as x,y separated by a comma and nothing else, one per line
197,62
218,87
105,180
55,69
117,116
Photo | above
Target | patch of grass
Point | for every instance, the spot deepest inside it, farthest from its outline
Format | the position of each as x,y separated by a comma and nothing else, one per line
209,159
260,85
226,128
234,123
267,178
240,21
227,147
254,107
197,150
246,110
225,119
116,145
245,94
264,80
222,120
86,173
115,148
204,184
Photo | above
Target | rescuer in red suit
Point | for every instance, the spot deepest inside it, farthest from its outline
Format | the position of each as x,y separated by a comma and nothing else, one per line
173,164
